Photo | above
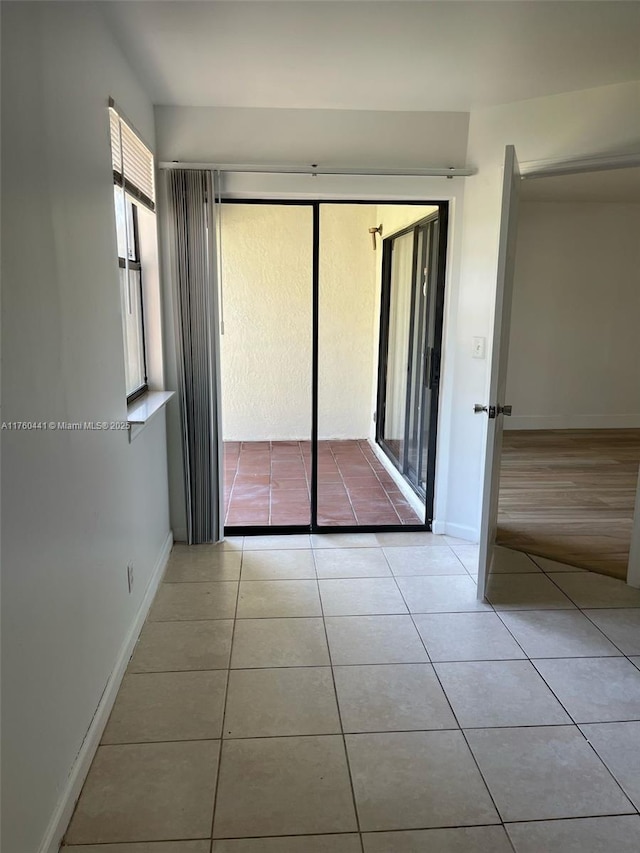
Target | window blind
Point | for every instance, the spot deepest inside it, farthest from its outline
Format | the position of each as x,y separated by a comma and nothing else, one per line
132,161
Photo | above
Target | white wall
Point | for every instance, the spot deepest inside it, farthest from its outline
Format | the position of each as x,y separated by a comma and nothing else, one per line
267,280
590,122
574,355
78,506
356,138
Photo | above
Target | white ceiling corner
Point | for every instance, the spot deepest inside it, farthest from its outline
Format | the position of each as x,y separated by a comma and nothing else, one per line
400,56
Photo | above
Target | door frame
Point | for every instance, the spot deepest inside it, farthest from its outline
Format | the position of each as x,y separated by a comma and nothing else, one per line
315,204
441,217
531,170
499,362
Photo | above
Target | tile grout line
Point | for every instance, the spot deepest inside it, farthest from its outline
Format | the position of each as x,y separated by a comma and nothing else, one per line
388,496
455,716
595,625
605,765
367,832
306,475
581,657
392,663
458,728
572,724
391,503
359,449
233,482
402,521
270,483
553,693
344,485
224,709
575,722
561,657
575,657
335,691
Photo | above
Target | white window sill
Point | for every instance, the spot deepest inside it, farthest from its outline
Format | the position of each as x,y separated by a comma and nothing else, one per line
140,412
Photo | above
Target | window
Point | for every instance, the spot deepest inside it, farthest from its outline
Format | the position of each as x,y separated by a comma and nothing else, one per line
135,360
133,178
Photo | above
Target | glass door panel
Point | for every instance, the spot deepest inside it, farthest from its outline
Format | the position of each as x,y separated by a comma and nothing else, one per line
354,487
432,343
410,353
300,289
417,355
400,293
266,363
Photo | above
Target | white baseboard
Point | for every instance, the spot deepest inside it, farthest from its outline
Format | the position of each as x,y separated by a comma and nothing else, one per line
572,422
461,531
180,534
64,810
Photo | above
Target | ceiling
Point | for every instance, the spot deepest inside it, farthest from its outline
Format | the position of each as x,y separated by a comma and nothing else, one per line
618,185
363,55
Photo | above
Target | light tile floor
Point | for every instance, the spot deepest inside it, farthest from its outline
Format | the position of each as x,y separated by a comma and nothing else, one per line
348,694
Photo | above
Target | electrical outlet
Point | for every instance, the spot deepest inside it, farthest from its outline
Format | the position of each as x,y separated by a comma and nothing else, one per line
130,577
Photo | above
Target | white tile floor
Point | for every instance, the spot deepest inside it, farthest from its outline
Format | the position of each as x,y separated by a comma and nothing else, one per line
349,694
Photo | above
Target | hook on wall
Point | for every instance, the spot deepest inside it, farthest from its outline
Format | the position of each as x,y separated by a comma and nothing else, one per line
373,232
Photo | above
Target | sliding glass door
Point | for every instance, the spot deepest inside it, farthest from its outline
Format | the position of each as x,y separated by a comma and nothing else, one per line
307,420
266,361
354,488
410,347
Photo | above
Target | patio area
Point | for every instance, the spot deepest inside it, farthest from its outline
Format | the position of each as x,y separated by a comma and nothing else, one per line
268,483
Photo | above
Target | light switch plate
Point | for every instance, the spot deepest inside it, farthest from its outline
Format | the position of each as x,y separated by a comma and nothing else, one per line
479,347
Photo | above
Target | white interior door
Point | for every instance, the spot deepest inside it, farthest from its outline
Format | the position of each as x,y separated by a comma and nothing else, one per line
495,408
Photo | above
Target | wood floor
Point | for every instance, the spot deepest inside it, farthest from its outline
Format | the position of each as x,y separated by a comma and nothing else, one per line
569,495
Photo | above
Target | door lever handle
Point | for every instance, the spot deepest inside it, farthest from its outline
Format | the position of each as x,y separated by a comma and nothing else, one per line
490,410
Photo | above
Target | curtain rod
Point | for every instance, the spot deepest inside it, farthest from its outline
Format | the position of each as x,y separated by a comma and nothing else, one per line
312,169
555,168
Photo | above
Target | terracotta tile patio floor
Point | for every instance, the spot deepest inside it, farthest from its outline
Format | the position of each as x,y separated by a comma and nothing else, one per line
268,483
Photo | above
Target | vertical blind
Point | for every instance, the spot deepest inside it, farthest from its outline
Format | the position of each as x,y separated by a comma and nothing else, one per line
191,232
132,161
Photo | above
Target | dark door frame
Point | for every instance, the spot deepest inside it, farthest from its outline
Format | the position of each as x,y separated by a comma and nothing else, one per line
313,526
